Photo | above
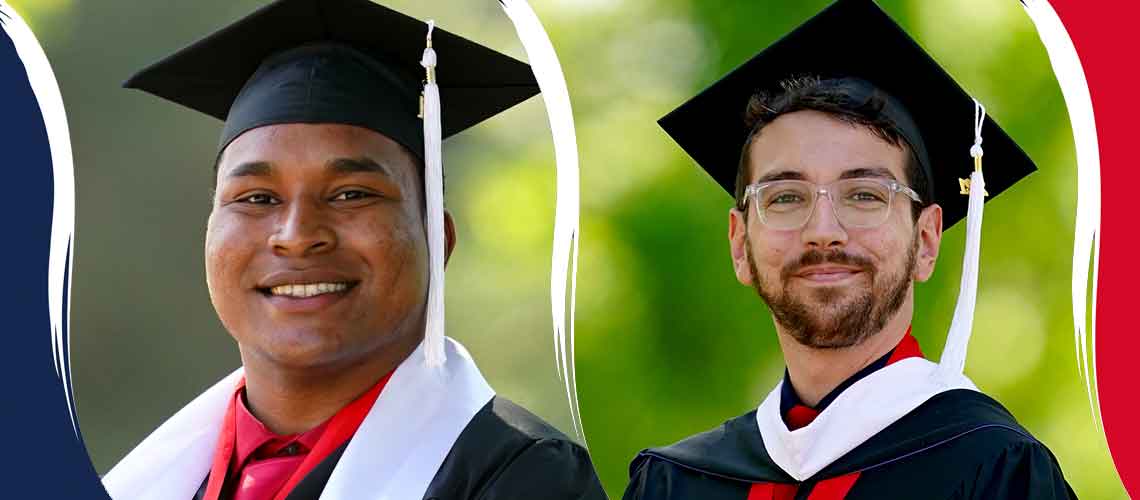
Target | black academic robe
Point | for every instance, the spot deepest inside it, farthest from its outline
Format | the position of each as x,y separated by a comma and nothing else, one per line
504,453
960,444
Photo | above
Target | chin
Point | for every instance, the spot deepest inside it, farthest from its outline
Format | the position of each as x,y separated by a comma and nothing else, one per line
297,349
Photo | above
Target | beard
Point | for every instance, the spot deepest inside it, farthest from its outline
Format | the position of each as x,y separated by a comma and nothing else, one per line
833,317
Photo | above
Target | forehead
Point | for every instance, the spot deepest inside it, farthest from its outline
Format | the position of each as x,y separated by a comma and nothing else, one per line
300,145
820,148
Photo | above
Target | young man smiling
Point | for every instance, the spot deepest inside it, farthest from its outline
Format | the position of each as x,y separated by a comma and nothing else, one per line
845,180
321,261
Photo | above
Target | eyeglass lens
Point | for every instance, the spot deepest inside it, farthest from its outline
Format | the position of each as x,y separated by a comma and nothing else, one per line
857,202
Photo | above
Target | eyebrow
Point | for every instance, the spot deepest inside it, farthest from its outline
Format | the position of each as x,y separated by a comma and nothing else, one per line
879,172
781,175
251,169
339,165
855,173
362,165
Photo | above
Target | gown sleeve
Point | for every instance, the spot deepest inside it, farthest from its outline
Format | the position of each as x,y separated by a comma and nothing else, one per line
550,469
639,480
1025,469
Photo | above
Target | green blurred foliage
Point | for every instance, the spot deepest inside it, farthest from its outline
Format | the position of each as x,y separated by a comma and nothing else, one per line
668,343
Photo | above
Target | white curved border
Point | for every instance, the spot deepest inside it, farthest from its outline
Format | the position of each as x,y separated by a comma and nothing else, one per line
564,258
1086,241
60,259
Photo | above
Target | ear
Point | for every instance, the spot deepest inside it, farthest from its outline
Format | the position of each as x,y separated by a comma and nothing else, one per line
738,246
929,228
448,235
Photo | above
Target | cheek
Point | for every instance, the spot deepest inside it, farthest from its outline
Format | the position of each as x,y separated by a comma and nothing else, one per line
771,250
886,249
229,247
396,251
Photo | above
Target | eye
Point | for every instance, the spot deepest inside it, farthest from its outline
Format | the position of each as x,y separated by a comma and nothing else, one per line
785,198
865,195
352,195
259,199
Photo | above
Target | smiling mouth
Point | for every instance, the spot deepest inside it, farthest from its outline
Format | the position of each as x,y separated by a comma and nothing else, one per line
306,290
829,275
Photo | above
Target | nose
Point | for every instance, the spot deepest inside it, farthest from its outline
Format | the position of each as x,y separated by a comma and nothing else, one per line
823,229
302,230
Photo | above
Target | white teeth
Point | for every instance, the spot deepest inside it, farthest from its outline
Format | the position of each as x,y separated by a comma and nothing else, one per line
308,289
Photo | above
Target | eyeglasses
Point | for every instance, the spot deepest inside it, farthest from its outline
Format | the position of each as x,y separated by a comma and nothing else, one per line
857,203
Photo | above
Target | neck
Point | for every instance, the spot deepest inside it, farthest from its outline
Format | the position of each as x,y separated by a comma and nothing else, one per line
290,400
815,372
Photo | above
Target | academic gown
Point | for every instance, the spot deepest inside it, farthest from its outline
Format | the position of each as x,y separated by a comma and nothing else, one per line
959,444
506,452
432,434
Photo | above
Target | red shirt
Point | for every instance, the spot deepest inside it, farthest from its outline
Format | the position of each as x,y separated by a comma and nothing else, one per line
253,463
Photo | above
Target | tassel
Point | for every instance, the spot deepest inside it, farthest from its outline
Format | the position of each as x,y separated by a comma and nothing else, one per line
564,257
433,185
958,339
1086,239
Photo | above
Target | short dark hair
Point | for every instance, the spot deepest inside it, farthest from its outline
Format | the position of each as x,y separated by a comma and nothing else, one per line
806,93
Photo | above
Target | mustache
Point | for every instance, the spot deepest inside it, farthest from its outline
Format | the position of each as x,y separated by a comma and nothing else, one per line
817,257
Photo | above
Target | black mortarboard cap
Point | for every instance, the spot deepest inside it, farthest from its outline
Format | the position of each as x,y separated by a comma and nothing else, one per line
854,39
335,61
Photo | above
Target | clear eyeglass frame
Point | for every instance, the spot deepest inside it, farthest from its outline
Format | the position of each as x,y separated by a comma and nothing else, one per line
845,212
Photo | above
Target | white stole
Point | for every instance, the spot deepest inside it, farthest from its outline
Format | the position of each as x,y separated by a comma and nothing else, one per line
858,413
394,454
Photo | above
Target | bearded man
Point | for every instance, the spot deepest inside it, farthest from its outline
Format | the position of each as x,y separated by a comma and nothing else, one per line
845,180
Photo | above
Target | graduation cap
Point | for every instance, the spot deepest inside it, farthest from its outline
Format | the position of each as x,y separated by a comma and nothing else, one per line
348,62
335,61
855,41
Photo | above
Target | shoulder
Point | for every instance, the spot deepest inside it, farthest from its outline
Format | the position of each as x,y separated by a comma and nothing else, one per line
962,423
715,464
733,450
961,441
999,457
961,415
507,451
502,416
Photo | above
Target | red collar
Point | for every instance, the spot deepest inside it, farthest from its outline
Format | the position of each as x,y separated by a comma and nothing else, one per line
250,435
907,348
797,415
328,437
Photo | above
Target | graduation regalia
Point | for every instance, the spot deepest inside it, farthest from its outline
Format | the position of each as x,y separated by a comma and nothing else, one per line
432,433
436,430
959,444
910,429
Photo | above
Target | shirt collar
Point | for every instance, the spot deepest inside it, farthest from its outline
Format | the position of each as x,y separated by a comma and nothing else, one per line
250,434
906,348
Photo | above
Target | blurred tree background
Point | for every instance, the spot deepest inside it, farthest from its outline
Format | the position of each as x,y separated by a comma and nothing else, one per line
668,343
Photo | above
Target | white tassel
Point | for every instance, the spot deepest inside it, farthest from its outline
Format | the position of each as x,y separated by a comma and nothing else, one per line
958,339
433,186
1086,242
564,258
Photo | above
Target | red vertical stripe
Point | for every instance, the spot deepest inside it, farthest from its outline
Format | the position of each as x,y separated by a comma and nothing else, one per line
224,450
761,491
772,491
1103,33
835,488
